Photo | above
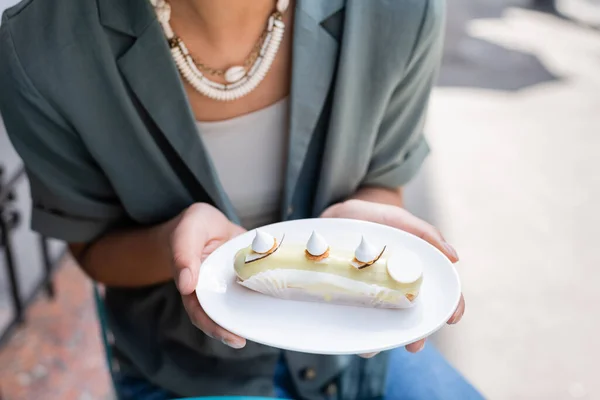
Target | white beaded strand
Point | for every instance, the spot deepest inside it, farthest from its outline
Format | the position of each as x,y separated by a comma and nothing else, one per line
238,88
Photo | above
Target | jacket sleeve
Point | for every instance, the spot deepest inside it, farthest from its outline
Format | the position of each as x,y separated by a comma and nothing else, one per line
401,147
72,199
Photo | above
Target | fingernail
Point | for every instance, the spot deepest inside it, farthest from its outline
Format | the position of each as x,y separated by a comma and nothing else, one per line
450,250
233,344
422,346
455,318
184,279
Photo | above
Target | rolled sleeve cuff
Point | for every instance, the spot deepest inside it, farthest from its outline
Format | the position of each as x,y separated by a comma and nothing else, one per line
68,228
400,173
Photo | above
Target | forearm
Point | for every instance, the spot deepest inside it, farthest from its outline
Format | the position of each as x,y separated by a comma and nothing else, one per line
131,258
380,195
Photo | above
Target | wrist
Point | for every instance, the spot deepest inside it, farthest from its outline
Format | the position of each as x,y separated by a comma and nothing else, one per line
381,195
163,238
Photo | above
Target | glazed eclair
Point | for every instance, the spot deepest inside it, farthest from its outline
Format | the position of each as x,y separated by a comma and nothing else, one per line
369,276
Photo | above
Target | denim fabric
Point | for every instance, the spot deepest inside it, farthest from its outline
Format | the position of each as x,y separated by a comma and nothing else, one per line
422,376
133,388
425,376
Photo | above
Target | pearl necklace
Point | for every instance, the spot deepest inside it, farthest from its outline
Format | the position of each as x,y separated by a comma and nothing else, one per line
240,81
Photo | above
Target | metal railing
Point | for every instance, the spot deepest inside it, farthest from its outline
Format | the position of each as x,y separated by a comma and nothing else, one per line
9,220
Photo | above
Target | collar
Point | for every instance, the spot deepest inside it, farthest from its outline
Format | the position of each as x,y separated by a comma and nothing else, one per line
320,10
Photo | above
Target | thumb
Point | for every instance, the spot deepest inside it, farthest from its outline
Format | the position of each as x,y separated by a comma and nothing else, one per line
236,230
331,211
405,221
215,242
197,226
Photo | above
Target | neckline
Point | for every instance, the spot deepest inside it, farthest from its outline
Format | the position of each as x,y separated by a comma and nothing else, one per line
243,117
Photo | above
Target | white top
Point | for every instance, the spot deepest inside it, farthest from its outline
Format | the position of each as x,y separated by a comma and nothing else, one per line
249,154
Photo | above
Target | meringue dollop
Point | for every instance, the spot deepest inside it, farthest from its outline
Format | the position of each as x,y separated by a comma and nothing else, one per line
316,244
263,242
366,252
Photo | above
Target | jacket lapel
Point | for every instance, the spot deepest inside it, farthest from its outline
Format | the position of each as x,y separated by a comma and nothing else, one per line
151,74
149,70
314,61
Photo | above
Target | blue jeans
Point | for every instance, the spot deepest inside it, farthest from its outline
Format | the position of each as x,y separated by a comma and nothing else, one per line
425,375
422,376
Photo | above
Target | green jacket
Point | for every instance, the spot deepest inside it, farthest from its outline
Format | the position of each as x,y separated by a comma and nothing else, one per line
90,97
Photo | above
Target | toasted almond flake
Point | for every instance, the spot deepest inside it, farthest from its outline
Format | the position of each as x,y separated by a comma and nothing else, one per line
360,265
317,258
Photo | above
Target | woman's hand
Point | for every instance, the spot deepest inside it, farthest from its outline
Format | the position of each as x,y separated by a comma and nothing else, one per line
194,234
398,218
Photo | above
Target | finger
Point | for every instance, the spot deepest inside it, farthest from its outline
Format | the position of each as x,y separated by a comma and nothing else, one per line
368,355
331,212
416,346
404,220
203,322
236,230
459,312
188,240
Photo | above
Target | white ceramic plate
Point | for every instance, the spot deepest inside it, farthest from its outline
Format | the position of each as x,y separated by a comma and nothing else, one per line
322,328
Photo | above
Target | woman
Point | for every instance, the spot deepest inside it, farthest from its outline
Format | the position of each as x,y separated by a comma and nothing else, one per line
145,161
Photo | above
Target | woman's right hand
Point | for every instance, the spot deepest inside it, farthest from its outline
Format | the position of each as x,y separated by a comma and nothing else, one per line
194,234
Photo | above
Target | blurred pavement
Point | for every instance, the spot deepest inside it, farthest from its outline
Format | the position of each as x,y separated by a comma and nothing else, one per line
514,183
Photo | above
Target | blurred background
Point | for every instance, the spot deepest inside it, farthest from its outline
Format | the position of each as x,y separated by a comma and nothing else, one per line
513,181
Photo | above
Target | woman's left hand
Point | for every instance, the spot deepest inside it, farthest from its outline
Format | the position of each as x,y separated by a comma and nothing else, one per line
398,217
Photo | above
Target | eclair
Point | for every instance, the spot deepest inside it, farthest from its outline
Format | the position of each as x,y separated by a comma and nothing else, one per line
368,276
